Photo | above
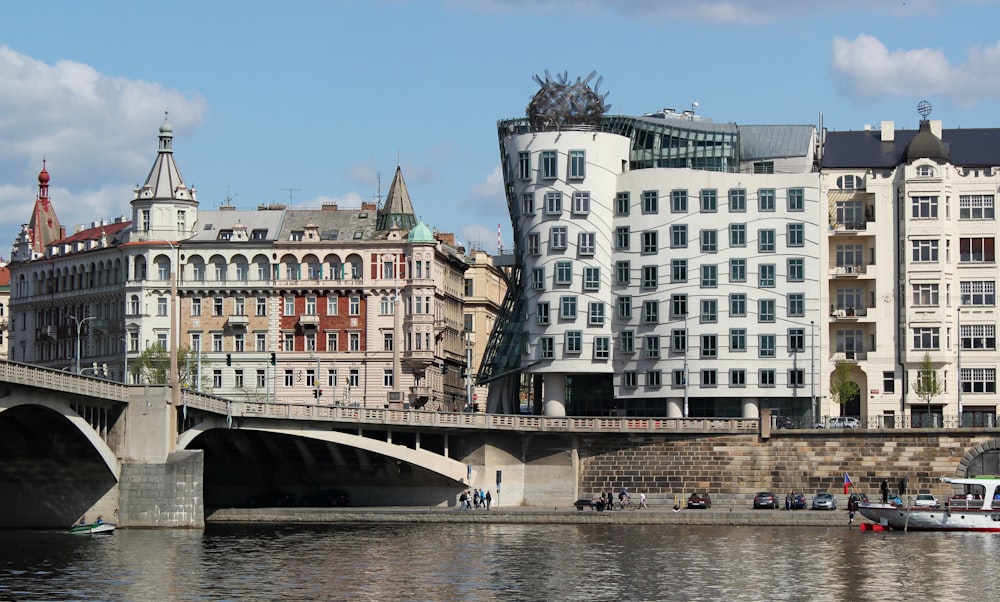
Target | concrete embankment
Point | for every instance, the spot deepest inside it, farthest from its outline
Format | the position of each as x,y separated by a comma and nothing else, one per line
653,516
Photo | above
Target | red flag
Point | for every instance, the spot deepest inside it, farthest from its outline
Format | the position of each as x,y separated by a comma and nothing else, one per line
847,482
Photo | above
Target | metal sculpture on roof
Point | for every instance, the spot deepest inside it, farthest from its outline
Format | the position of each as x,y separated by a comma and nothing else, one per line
924,108
560,102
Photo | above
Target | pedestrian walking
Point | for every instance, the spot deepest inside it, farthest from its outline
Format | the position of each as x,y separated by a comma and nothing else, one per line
642,500
489,499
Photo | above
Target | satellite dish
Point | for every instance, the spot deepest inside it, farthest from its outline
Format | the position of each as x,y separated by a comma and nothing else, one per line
924,108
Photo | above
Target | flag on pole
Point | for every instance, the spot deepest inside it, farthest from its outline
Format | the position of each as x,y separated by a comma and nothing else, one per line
847,482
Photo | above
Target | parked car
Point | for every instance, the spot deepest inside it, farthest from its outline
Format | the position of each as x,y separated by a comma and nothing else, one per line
765,499
840,422
927,500
327,497
824,501
699,500
798,501
271,498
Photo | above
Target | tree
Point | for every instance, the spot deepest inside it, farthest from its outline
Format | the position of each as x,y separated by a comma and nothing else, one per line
153,364
928,386
842,388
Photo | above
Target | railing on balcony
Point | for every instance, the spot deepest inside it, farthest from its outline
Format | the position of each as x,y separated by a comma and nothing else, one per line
849,311
849,270
850,356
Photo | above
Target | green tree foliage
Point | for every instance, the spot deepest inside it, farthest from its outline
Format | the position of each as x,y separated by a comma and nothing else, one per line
842,388
153,366
928,386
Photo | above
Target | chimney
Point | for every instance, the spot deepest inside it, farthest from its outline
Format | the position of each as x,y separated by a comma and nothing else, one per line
888,131
936,127
447,238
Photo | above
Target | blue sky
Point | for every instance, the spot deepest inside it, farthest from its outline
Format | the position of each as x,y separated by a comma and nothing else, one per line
325,97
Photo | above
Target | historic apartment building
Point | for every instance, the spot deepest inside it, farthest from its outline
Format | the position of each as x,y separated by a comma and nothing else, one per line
334,306
668,265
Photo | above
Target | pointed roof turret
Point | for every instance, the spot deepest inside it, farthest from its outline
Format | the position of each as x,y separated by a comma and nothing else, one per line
164,180
397,210
44,224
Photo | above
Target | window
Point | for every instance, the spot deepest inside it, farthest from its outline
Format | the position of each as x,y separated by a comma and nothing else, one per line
627,341
979,380
239,342
217,379
622,272
926,338
766,276
331,341
925,171
796,378
651,346
574,341
553,203
542,312
649,276
353,378
737,377
796,234
709,241
534,244
975,206
546,348
567,307
260,341
709,346
624,305
564,272
678,236
602,348
650,243
763,167
737,305
260,307
978,336
925,294
557,237
195,307
796,269
678,378
765,241
195,341
709,200
796,305
581,203
161,306
766,376
888,382
850,183
709,311
217,306
737,270
737,200
596,314
524,165
737,339
979,292
650,201
850,342
354,306
796,199
310,306
651,311
591,279
796,340
528,203
678,306
585,243
765,310
240,306
549,168
709,378
737,235
765,199
261,379
678,340
678,201
678,270
622,236
766,345
387,341
577,164
622,203
654,378
629,379
924,207
976,250
709,275
538,278
287,342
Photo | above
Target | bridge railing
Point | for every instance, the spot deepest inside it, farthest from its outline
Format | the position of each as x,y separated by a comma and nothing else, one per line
57,380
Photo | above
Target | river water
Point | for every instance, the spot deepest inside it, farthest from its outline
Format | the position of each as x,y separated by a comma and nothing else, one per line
390,563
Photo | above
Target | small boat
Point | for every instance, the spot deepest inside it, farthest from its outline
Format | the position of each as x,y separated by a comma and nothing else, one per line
92,528
977,511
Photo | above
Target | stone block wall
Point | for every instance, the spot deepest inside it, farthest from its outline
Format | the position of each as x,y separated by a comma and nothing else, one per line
665,466
164,495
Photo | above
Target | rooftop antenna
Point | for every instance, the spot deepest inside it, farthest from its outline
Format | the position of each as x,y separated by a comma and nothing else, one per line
378,189
291,191
228,201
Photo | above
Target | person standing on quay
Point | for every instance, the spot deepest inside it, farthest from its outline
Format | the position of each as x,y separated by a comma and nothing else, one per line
489,499
642,500
884,488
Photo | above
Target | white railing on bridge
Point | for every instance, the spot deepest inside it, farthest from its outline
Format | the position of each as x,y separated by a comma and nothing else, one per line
57,380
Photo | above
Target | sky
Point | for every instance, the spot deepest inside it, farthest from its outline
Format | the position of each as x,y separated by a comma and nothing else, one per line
306,103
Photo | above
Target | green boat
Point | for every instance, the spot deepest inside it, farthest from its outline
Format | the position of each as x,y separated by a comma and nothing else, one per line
92,528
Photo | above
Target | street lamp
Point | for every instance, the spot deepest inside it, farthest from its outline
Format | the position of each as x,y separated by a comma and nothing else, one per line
79,330
812,369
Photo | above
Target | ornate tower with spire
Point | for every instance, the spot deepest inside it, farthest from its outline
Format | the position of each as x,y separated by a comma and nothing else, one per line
164,208
43,228
398,210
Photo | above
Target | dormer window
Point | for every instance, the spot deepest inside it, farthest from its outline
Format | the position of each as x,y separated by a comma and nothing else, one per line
225,234
925,171
297,235
258,234
850,183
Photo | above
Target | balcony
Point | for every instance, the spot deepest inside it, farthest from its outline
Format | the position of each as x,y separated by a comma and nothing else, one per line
419,358
238,321
848,270
423,391
848,312
309,321
850,356
46,332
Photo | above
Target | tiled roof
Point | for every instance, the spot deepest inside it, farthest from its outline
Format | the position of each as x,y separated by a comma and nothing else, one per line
973,147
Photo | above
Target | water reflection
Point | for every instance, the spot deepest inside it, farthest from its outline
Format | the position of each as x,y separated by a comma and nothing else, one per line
487,562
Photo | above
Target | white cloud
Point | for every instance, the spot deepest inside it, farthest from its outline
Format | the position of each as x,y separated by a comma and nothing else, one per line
865,69
97,132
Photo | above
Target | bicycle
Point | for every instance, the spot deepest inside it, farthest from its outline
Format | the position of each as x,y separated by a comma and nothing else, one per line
627,504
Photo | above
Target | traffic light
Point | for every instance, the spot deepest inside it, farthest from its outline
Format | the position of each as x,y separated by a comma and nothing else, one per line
273,358
317,393
229,359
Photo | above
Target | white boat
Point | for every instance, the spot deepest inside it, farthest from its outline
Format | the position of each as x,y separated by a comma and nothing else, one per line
977,511
92,528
